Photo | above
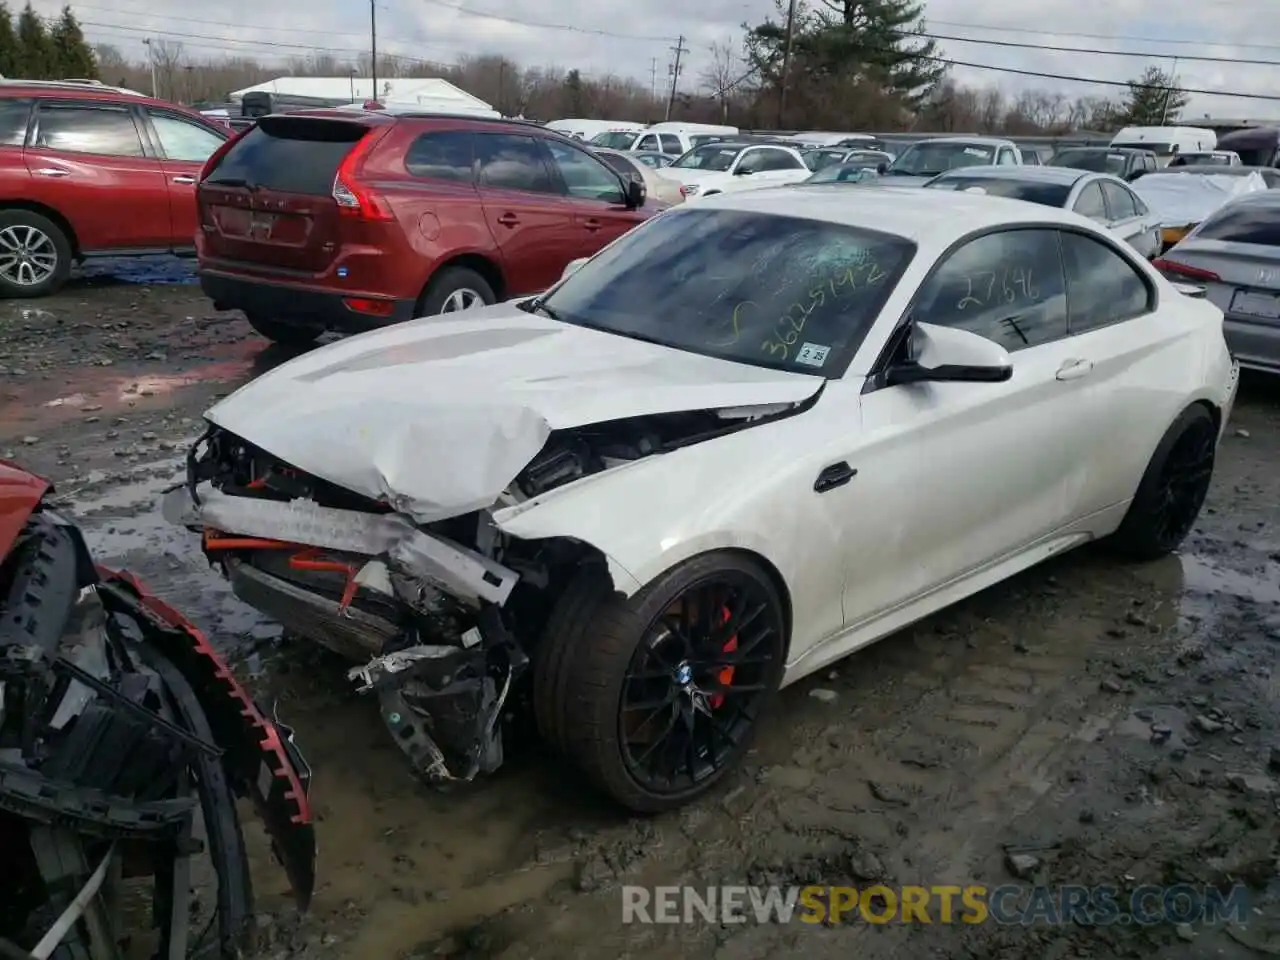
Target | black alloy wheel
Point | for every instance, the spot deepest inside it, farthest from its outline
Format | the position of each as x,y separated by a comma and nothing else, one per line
1184,482
697,681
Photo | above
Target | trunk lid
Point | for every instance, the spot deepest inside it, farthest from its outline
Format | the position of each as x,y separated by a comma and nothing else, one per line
269,201
1248,276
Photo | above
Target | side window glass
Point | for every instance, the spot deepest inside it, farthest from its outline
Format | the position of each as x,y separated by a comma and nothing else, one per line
14,116
106,131
584,175
671,144
510,162
183,140
750,162
448,155
1090,203
779,160
1007,287
1006,158
648,143
1119,201
1102,286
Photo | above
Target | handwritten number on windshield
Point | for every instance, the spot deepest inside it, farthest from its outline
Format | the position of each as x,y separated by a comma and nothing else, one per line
736,323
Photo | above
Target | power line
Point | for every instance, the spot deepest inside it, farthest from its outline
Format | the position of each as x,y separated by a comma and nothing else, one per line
1102,36
1093,51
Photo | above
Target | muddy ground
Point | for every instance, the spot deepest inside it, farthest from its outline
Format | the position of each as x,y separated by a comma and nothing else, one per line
1115,724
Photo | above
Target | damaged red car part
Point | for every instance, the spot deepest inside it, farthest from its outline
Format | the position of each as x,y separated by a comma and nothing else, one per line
118,721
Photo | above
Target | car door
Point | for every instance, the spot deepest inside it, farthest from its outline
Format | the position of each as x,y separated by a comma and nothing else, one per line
1091,203
764,165
1135,352
965,474
531,219
649,141
87,161
183,146
1122,215
597,195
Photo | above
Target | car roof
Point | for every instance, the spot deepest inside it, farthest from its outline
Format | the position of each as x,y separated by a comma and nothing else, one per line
1060,175
984,141
935,217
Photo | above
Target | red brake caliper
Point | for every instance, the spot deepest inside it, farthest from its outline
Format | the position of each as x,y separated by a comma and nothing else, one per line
726,675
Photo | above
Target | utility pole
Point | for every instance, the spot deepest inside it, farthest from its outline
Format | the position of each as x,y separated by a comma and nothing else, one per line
1168,93
653,78
373,45
151,56
675,74
786,65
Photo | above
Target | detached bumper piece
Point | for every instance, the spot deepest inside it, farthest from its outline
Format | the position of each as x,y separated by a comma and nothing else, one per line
118,724
420,610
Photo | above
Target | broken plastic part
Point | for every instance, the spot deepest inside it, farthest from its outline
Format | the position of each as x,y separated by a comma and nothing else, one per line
453,568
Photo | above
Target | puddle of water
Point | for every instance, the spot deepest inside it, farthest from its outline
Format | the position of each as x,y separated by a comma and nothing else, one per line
124,528
1204,576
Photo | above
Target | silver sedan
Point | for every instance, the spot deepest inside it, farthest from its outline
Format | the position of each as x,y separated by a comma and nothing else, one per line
1099,196
1234,254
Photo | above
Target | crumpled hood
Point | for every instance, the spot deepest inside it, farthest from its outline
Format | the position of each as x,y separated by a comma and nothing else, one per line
437,416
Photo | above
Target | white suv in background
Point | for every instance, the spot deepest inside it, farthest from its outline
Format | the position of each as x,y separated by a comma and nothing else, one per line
728,166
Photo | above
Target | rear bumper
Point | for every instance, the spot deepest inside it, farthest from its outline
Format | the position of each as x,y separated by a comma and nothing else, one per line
1256,344
296,304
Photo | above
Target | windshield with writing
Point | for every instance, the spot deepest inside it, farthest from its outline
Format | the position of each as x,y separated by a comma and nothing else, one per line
709,157
1096,161
614,140
761,289
929,159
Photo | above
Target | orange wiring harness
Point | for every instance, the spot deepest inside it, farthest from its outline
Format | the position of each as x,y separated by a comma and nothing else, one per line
304,558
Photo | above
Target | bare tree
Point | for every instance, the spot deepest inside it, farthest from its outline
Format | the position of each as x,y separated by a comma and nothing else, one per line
167,57
721,75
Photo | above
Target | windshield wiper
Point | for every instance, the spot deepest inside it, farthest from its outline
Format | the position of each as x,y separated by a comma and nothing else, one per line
537,306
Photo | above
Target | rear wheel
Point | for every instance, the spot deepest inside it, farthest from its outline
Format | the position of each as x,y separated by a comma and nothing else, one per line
35,254
1172,490
455,289
657,697
285,334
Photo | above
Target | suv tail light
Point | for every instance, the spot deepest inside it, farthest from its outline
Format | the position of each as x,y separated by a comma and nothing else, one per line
1183,270
215,158
355,199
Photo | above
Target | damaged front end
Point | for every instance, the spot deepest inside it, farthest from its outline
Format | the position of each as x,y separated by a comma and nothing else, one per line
443,616
119,726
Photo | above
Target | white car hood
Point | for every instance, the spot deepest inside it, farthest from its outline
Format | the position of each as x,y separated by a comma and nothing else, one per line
437,416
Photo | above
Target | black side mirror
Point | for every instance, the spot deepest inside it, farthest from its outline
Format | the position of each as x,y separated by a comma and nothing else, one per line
912,372
635,194
882,168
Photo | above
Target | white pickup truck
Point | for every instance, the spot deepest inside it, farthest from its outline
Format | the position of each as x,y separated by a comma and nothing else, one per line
928,158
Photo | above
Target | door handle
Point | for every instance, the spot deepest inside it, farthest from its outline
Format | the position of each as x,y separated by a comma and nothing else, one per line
508,220
836,475
52,172
1075,369
591,223
184,179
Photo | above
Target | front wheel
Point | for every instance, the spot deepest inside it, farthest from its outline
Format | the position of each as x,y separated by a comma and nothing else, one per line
657,697
1172,490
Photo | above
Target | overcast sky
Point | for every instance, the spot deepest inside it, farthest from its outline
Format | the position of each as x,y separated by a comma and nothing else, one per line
645,31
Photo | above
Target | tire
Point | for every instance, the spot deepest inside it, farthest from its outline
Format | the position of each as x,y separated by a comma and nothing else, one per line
594,641
40,236
285,334
451,283
1172,489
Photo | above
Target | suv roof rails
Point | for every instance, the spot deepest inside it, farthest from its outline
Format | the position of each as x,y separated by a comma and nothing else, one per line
68,85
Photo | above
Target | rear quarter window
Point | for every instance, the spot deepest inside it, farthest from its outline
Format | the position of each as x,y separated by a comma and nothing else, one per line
289,156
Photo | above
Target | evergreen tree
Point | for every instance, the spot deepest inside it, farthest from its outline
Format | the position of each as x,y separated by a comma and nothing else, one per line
1154,99
71,55
35,50
8,43
842,45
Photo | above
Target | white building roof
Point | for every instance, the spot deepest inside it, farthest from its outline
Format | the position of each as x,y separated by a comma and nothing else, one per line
424,92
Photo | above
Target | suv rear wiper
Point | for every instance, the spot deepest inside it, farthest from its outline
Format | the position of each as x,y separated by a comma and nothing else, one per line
233,182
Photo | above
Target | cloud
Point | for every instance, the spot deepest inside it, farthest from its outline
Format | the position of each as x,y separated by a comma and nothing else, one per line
622,37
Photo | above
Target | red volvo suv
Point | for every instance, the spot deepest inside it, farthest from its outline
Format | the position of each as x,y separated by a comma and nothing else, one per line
348,220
